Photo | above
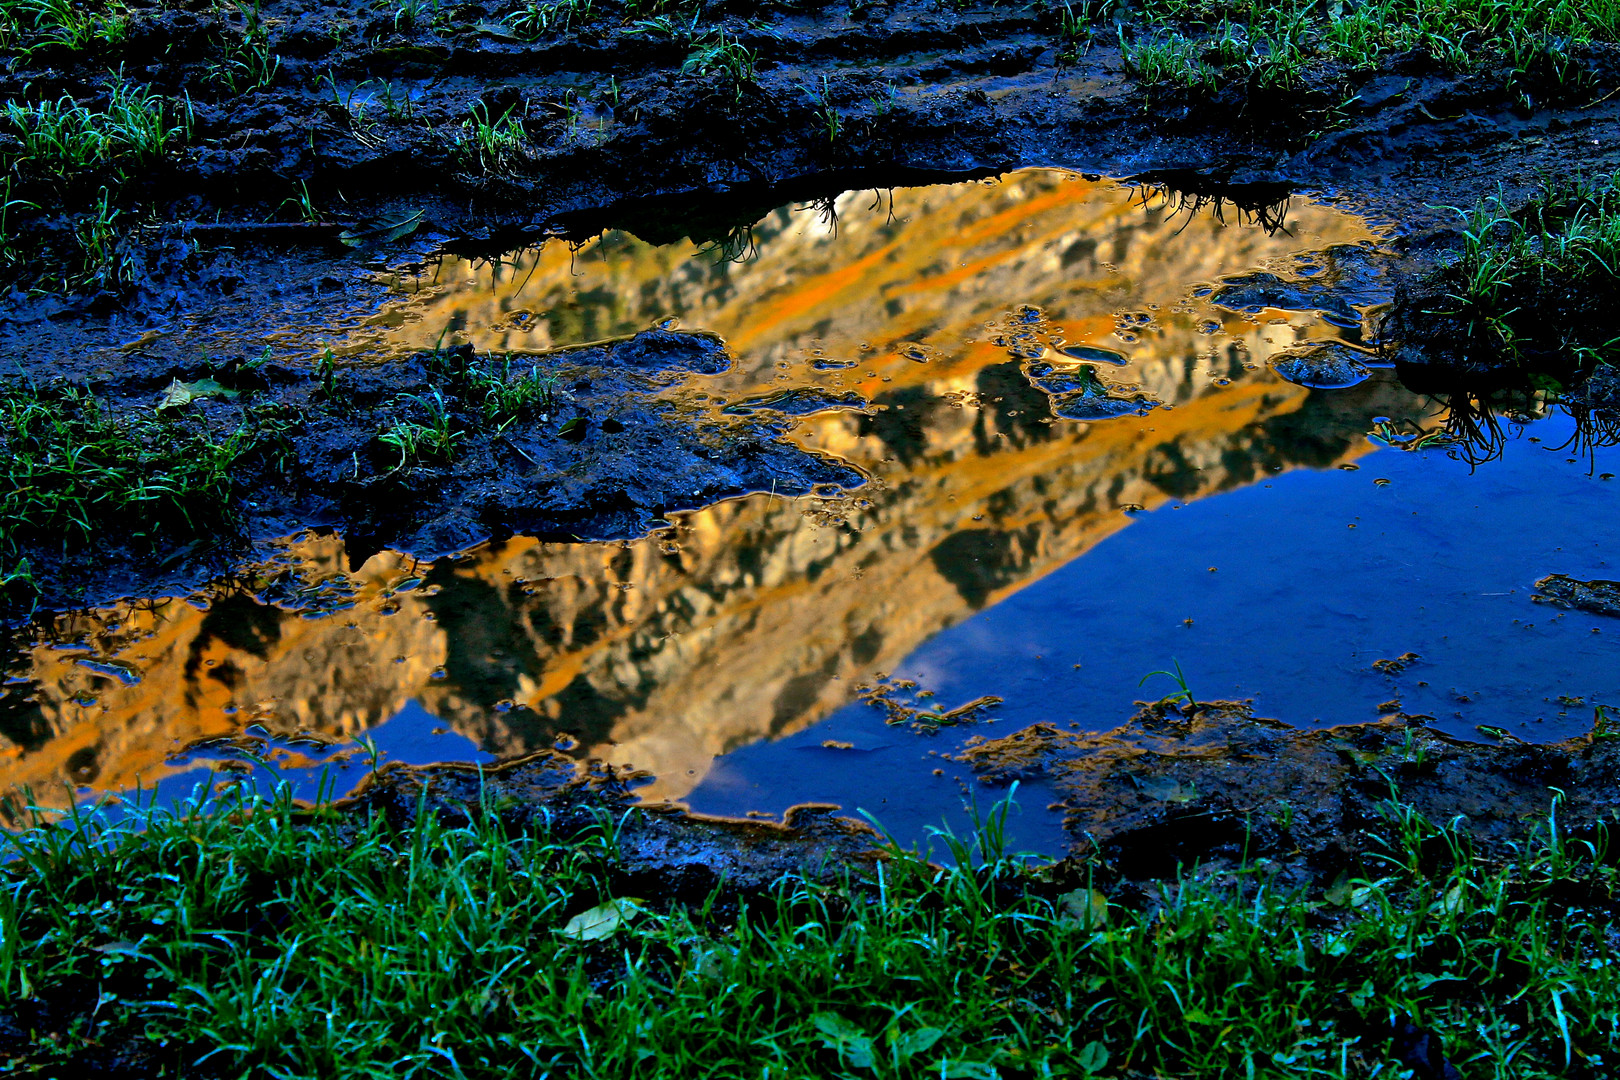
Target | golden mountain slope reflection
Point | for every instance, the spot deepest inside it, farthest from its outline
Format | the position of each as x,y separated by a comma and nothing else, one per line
917,270
758,616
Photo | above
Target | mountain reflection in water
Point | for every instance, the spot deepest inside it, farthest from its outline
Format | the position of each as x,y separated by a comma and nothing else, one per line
760,616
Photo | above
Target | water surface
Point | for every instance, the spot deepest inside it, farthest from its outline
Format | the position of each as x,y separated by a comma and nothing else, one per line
1202,510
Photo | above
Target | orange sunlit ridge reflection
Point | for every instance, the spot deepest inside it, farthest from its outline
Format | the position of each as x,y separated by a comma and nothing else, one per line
760,615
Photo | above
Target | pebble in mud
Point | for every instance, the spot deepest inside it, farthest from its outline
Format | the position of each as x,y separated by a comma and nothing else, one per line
1321,367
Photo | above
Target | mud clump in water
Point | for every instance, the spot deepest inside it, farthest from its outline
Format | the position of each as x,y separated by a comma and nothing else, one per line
1322,367
667,854
1224,786
1596,597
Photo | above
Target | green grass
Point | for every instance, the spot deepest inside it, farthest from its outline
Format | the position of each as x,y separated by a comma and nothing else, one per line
75,471
1204,45
31,26
246,62
270,945
717,53
466,394
1540,286
491,143
61,137
431,438
535,19
73,156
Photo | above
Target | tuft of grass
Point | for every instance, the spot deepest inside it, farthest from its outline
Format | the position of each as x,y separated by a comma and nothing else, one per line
718,53
56,153
826,112
1205,45
31,26
431,438
1168,60
248,938
1540,286
507,399
246,62
537,19
676,29
410,14
14,254
492,144
61,137
75,472
1183,691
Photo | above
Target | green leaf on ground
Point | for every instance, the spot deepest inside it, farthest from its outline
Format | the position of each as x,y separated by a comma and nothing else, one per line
180,394
600,921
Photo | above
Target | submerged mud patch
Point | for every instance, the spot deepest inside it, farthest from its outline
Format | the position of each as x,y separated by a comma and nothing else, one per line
1597,597
1215,784
1323,367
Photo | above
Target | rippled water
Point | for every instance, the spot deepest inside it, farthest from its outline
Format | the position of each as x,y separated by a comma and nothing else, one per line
1206,512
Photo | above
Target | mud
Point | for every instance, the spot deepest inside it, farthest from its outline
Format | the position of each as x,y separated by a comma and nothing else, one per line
1218,786
673,856
366,123
364,117
1597,597
603,454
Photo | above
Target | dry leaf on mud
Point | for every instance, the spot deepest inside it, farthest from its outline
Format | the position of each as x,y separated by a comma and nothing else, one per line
383,230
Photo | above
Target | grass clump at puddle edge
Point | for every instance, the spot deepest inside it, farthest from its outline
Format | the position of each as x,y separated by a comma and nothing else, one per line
256,941
1536,289
77,473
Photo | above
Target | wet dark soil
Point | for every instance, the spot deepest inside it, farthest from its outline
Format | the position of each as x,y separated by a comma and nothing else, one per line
359,152
597,452
365,122
1217,786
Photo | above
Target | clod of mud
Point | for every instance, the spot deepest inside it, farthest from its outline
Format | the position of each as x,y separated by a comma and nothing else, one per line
666,853
1596,597
800,401
1254,293
1223,786
1077,392
1329,366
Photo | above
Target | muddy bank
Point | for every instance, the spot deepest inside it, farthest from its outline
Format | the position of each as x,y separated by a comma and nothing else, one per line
296,124
1218,786
668,855
436,454
1217,789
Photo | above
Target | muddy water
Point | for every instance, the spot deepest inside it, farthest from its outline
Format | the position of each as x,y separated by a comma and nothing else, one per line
1205,512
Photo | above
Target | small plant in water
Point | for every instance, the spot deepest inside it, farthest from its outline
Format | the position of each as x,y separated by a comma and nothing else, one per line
1183,693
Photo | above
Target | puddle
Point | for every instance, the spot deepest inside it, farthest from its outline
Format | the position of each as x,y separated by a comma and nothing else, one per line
1086,464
